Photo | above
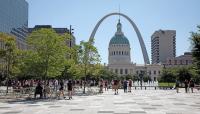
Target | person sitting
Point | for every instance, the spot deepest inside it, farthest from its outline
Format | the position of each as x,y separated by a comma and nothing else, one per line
38,90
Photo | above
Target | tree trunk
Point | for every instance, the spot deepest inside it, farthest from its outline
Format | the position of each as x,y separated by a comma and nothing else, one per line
8,75
84,81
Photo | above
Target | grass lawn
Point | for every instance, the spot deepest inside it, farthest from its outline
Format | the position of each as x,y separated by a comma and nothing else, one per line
166,84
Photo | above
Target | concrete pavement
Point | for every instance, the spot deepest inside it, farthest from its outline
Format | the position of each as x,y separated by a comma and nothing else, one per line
137,102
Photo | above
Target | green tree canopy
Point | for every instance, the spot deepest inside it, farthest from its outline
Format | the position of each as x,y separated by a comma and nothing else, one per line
88,58
195,39
8,54
47,54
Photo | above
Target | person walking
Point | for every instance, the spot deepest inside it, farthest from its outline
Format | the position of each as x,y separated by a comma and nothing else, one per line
70,89
177,86
101,86
112,84
129,85
186,86
192,85
38,90
106,85
116,85
61,89
125,86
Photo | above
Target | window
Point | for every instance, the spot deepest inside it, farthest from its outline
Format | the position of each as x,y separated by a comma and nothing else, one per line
170,62
181,62
186,62
114,52
149,72
122,52
126,71
119,52
116,71
175,62
121,71
154,72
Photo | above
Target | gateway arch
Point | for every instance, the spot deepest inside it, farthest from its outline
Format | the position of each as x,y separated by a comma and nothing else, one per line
144,51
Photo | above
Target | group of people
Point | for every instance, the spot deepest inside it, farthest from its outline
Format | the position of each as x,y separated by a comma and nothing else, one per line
116,84
44,90
187,84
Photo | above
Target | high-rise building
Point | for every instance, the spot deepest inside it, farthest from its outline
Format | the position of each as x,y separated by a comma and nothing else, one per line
163,46
60,31
14,20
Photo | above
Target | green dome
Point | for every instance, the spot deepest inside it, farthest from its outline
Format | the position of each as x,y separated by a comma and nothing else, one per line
119,39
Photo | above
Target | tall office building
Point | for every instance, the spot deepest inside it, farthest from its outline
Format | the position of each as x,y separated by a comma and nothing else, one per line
163,45
14,19
60,31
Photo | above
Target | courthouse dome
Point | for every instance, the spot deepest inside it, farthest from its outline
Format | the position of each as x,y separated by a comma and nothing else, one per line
119,37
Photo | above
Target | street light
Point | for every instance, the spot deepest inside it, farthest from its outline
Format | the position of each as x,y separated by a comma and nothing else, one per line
141,78
70,40
70,33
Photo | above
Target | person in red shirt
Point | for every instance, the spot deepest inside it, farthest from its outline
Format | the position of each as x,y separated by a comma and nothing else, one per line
116,84
129,85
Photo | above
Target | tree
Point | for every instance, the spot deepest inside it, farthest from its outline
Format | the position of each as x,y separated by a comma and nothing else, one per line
146,78
183,74
88,57
104,73
168,75
195,41
47,54
8,55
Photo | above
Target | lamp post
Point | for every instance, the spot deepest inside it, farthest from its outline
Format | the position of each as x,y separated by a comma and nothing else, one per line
70,40
141,78
71,33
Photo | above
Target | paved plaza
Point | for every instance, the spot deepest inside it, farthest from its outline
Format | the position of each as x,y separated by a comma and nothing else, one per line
137,102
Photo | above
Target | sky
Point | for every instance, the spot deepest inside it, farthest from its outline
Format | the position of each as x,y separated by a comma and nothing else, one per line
149,16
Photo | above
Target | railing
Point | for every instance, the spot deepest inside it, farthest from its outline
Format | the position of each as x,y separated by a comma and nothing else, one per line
197,87
29,92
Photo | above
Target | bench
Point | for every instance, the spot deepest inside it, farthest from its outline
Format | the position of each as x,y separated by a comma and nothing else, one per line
197,87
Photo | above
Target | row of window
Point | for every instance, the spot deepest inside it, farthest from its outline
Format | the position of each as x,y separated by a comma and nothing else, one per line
181,62
119,53
121,71
125,71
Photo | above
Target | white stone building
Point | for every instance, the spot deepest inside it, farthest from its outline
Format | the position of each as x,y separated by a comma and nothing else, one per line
119,59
